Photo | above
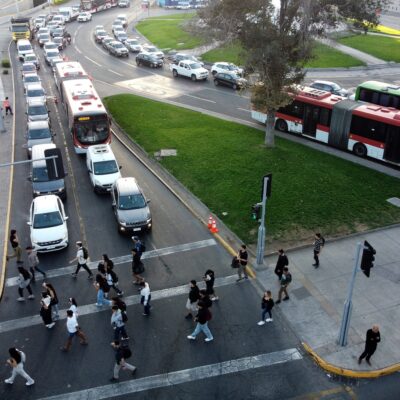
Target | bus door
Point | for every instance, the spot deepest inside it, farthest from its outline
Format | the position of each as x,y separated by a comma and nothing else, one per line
392,147
310,121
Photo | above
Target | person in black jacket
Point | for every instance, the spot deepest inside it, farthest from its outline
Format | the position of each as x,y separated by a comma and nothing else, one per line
266,305
204,298
194,296
371,342
202,318
281,263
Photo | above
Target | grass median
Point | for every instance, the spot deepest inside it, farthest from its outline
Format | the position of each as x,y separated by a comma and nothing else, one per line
222,163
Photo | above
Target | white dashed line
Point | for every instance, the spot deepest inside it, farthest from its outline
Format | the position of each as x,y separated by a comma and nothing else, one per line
200,98
94,62
116,73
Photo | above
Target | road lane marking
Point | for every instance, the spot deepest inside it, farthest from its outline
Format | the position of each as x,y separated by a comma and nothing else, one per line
183,376
116,73
200,98
94,62
79,52
244,109
25,322
165,251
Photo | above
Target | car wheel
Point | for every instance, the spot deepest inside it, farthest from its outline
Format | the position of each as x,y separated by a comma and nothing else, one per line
360,150
234,86
216,83
281,125
214,73
193,77
175,73
138,63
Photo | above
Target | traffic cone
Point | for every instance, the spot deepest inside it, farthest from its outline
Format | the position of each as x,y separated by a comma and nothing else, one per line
214,228
210,220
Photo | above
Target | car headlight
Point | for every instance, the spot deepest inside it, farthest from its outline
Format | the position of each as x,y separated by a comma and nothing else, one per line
97,183
36,192
148,220
122,222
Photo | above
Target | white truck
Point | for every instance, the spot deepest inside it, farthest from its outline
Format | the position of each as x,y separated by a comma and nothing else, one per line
191,69
69,13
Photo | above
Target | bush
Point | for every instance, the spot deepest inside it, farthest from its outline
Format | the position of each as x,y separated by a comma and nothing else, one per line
5,71
5,63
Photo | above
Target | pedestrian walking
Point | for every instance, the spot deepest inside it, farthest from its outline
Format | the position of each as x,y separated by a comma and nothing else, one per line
319,243
122,353
101,286
17,251
145,298
281,263
104,263
82,256
16,361
371,342
73,306
116,301
7,106
205,298
242,257
33,262
138,245
112,280
194,296
202,318
54,299
73,329
267,303
45,310
137,267
209,279
24,282
118,324
285,281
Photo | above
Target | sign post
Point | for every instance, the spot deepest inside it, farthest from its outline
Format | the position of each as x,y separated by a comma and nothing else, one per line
266,192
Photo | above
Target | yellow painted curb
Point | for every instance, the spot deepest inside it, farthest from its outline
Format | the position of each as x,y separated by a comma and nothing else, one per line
349,373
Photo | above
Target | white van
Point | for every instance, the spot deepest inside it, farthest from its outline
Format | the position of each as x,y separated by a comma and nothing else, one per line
69,13
23,47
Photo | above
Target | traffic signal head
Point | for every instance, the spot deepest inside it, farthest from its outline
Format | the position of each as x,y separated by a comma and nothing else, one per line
367,261
55,167
256,212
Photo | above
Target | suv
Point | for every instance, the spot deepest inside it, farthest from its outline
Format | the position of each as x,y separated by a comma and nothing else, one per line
118,49
331,87
130,206
36,110
149,60
102,166
225,67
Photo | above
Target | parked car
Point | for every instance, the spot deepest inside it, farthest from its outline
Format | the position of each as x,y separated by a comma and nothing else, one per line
36,110
149,60
153,50
118,49
30,78
100,35
102,166
226,67
48,224
32,58
175,58
130,206
84,17
35,91
133,45
28,68
229,79
38,132
331,87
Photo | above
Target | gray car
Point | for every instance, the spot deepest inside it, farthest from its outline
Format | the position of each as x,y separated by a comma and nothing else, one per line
38,132
36,110
118,49
130,206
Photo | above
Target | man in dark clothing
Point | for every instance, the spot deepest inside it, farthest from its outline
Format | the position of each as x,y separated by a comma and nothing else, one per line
371,342
205,298
17,251
202,318
121,354
319,242
242,257
137,267
281,263
191,304
285,281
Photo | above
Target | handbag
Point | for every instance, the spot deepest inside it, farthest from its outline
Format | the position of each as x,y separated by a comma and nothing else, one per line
235,262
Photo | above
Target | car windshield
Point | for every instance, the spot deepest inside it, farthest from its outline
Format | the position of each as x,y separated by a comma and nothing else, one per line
132,42
195,65
27,68
30,58
43,133
19,28
232,67
31,78
122,36
39,174
105,167
25,48
50,46
47,220
52,54
58,40
35,92
132,202
101,33
37,110
118,46
335,86
45,37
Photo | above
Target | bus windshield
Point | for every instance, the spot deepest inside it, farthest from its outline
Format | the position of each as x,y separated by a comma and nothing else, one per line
93,131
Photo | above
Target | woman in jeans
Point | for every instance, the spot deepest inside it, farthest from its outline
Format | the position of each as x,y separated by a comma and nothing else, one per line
266,304
102,287
24,281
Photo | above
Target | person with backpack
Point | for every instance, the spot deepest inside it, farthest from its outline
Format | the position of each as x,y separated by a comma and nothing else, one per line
16,361
112,279
104,263
281,263
33,262
266,305
82,256
118,324
285,281
138,245
137,267
17,251
194,295
24,281
209,279
204,298
203,316
102,288
242,257
319,243
122,353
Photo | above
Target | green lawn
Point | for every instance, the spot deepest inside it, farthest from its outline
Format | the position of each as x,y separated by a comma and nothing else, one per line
222,163
326,57
382,47
167,32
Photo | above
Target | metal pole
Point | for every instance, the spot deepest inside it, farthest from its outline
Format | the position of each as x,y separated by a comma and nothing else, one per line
261,228
28,161
2,126
344,328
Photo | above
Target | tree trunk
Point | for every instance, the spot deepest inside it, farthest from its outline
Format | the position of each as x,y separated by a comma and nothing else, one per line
270,129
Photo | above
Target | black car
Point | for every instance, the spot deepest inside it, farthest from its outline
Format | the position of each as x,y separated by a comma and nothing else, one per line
231,80
148,60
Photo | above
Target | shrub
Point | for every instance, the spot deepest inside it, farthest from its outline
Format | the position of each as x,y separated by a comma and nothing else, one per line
5,63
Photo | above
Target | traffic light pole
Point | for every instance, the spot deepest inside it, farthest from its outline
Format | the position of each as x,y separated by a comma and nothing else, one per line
344,328
261,228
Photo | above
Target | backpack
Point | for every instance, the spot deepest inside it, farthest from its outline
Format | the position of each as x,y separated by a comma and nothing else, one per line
322,241
142,247
126,352
85,253
124,316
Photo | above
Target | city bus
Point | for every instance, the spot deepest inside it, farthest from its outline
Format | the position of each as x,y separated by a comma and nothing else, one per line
68,70
88,120
384,94
364,129
94,6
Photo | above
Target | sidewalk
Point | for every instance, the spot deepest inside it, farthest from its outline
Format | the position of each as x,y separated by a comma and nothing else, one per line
317,297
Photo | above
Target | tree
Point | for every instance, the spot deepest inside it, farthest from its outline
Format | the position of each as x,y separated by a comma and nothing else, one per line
277,43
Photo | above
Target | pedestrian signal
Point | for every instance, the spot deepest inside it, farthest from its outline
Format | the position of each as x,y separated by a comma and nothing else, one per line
367,261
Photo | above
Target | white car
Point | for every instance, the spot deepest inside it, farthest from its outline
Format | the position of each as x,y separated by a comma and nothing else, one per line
84,17
50,46
122,18
35,91
48,224
58,19
51,54
226,67
153,50
117,26
29,79
103,167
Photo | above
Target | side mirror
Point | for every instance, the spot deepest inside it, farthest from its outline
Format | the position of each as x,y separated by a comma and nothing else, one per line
148,200
66,218
120,167
29,178
29,223
114,204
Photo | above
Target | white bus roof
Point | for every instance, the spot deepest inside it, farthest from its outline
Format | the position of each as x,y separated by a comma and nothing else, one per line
82,98
69,69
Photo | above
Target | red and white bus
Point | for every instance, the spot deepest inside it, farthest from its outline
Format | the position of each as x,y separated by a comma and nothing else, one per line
365,129
66,71
88,120
94,6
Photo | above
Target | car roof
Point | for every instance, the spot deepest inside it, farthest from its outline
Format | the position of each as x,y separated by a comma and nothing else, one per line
36,102
35,85
38,124
28,64
46,203
31,74
127,185
101,152
325,82
38,152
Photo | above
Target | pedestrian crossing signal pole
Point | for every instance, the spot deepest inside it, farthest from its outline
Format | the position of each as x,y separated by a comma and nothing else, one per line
266,192
344,328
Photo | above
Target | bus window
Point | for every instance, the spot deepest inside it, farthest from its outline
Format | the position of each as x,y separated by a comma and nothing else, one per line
325,116
294,109
385,100
366,95
368,128
394,102
375,98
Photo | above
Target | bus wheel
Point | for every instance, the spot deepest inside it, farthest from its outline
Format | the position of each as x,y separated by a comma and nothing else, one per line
360,150
281,125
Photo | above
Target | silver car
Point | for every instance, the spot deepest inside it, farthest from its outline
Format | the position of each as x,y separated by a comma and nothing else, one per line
30,78
35,91
36,110
38,132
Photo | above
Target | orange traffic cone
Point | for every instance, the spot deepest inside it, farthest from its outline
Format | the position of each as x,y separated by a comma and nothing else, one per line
210,220
214,228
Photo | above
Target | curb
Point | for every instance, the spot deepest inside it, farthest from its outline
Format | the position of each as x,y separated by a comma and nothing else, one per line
350,373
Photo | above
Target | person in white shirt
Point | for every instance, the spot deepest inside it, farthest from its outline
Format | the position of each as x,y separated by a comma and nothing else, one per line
146,297
73,329
80,257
